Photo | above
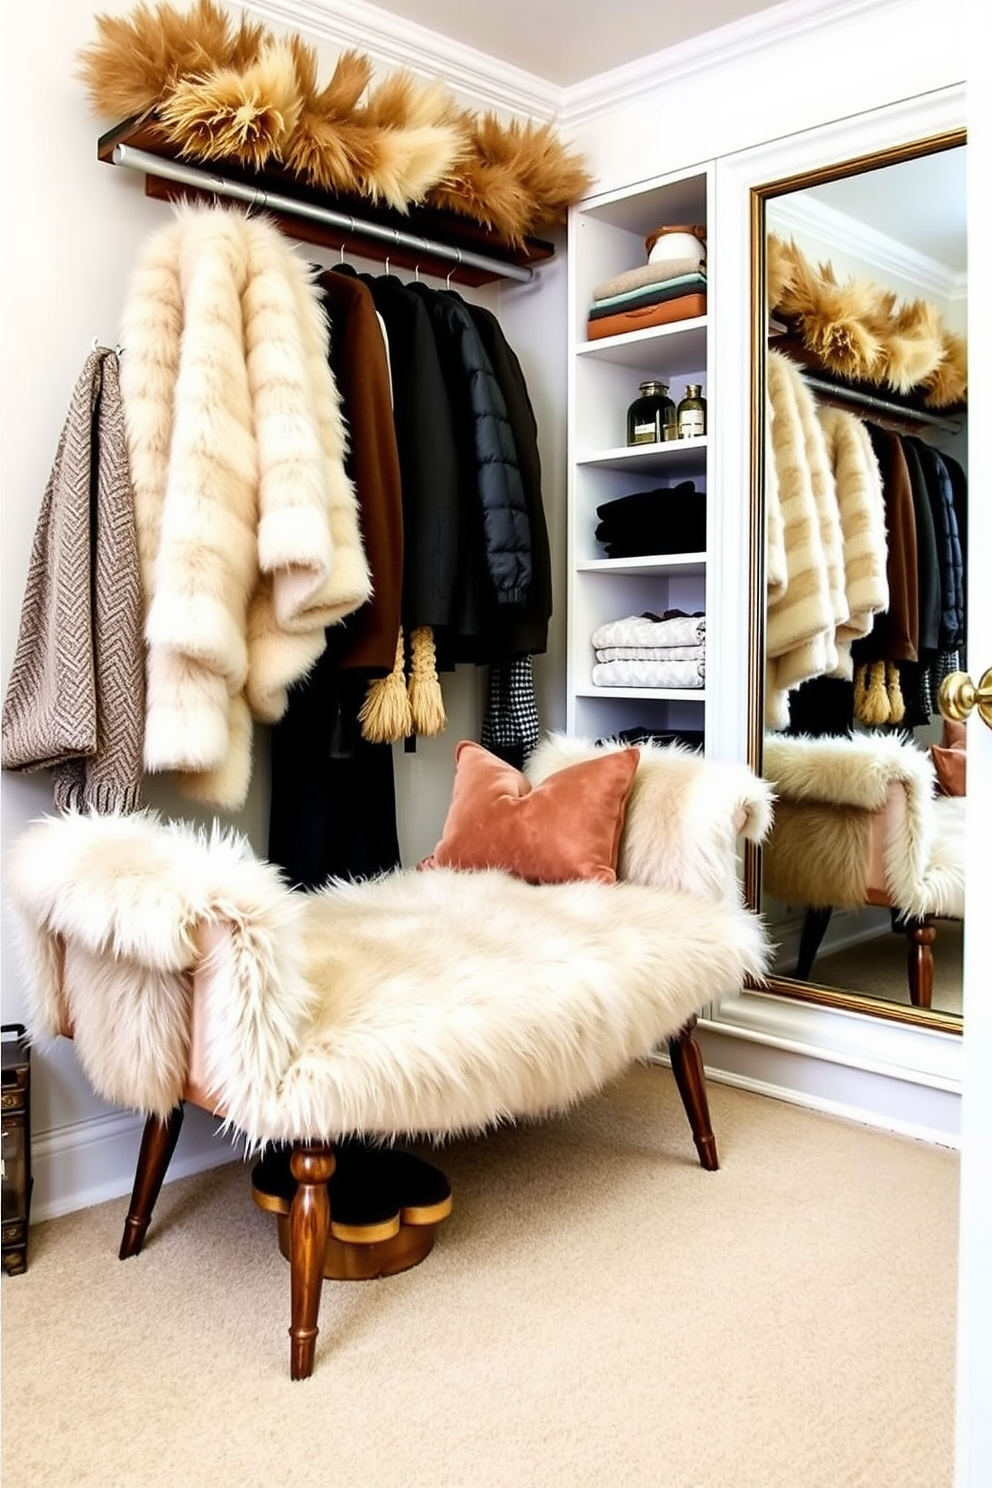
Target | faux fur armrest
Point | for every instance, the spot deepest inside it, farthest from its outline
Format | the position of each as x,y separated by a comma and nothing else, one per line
836,795
108,911
684,814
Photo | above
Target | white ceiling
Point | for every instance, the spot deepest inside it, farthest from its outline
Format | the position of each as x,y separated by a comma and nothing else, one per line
564,41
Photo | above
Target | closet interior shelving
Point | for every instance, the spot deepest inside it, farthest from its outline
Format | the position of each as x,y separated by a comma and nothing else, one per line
606,237
435,242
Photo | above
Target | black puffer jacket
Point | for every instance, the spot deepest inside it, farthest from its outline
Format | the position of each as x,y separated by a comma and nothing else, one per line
948,546
529,633
491,473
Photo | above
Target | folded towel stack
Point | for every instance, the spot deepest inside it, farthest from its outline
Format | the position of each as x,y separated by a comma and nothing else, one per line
651,651
652,294
666,519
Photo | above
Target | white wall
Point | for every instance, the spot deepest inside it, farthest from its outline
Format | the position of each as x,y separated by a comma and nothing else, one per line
72,232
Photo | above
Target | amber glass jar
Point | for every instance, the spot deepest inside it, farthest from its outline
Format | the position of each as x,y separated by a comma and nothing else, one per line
651,417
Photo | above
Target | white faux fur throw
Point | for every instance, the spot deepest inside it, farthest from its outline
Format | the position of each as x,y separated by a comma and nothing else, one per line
827,788
434,1002
684,814
247,522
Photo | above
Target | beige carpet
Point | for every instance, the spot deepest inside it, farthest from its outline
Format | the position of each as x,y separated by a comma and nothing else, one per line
597,1311
877,968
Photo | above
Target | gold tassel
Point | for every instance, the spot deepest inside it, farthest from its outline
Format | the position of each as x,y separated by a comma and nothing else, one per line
871,701
893,687
424,690
385,714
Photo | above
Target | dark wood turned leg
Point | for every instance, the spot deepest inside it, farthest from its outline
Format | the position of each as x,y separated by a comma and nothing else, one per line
311,1164
920,936
814,929
158,1143
690,1077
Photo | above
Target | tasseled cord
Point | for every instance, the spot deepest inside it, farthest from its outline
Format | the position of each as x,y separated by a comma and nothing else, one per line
385,715
871,701
393,708
424,689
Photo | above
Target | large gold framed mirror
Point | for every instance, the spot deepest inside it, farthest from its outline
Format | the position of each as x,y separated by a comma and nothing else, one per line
859,537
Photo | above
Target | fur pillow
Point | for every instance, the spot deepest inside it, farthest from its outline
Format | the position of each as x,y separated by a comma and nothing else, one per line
564,829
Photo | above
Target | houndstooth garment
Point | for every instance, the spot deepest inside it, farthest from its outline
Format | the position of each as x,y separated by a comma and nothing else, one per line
75,702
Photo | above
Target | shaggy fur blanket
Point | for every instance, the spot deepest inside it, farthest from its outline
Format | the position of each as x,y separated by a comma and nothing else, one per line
427,1003
828,791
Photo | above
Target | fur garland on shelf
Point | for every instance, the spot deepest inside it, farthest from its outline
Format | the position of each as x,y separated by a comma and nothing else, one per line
863,332
225,90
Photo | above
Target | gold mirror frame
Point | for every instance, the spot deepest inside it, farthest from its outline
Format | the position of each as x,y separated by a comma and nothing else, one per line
806,992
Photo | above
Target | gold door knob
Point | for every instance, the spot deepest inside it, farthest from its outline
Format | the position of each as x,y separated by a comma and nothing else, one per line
959,696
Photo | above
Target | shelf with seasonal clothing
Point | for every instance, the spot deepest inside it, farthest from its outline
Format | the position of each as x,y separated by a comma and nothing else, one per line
637,512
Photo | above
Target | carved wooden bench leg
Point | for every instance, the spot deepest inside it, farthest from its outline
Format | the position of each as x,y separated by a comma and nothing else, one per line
920,936
312,1165
158,1143
690,1077
815,923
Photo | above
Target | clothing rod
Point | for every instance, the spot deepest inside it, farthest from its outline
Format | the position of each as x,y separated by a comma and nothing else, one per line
253,196
881,405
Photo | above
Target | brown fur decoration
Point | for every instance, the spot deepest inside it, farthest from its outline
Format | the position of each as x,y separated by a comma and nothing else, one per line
860,331
226,90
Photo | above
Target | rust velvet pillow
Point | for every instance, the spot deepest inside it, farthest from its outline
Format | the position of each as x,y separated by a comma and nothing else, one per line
566,828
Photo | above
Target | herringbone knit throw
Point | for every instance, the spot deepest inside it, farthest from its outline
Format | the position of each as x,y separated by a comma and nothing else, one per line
75,701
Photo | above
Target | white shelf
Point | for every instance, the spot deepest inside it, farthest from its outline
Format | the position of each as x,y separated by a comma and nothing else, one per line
689,564
658,694
606,238
649,456
662,349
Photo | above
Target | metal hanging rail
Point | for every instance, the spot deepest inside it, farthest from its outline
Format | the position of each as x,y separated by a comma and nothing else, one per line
868,401
187,175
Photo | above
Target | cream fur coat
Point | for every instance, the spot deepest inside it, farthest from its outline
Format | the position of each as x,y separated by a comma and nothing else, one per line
247,523
826,543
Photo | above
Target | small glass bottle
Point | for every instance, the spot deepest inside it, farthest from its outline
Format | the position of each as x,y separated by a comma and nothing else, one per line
691,412
651,415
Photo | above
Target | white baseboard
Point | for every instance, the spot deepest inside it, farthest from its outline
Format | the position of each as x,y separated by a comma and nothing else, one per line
887,1101
77,1166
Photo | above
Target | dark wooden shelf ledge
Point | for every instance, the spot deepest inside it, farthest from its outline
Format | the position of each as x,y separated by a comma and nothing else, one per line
438,226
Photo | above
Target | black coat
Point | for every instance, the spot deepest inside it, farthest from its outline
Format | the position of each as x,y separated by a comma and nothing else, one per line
428,453
950,568
493,499
530,632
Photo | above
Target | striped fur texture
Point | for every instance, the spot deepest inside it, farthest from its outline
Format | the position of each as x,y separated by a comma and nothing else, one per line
247,521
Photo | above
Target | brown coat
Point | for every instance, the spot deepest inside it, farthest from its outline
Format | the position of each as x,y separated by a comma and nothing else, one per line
361,369
895,634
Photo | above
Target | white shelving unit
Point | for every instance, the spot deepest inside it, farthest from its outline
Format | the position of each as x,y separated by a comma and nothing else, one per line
606,237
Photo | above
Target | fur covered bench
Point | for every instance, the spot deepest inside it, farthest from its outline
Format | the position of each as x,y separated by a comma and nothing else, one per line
859,821
420,1003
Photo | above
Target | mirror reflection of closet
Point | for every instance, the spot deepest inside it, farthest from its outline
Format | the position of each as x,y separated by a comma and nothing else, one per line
865,523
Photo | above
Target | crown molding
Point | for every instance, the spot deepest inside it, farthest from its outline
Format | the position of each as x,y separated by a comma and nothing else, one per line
397,42
837,231
621,86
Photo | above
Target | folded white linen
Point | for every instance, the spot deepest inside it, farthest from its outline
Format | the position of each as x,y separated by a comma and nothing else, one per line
651,653
642,630
649,674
